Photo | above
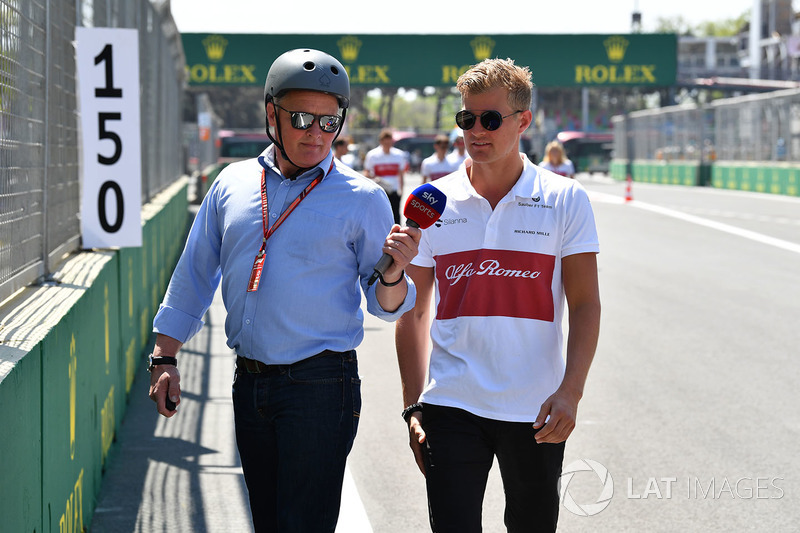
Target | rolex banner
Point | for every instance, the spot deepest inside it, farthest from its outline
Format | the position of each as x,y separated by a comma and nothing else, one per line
583,60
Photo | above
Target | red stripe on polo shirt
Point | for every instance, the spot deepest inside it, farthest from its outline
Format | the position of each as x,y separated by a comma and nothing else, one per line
495,283
387,169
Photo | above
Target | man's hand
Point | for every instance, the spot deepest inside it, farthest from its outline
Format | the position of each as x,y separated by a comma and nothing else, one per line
562,408
165,381
402,244
416,438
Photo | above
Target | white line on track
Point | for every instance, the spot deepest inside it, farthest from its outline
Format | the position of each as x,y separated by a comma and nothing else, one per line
352,515
727,228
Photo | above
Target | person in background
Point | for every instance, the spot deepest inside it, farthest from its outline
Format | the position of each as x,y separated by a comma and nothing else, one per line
484,376
555,160
341,150
387,165
459,153
437,164
289,235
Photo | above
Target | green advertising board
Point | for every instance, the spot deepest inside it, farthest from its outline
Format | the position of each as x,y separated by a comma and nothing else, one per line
586,60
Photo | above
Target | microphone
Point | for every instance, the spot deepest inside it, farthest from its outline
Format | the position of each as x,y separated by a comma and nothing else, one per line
423,207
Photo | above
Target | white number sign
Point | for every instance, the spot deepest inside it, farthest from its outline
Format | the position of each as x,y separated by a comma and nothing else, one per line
108,81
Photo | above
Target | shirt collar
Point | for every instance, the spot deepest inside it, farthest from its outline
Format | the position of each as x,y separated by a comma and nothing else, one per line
526,185
267,161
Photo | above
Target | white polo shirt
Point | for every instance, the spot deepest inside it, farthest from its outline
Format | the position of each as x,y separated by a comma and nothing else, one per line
387,167
497,338
434,168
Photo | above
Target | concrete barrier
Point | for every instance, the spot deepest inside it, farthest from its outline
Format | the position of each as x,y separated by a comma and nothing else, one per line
69,350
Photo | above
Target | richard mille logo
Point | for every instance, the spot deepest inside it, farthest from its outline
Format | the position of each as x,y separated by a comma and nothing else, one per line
532,232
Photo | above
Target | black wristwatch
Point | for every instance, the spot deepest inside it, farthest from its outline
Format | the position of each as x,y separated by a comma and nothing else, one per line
155,361
410,410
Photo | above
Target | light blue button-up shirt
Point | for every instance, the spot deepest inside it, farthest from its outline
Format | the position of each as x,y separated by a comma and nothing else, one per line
309,298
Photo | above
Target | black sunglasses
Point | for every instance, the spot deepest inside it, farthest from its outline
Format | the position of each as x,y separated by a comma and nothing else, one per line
490,120
303,121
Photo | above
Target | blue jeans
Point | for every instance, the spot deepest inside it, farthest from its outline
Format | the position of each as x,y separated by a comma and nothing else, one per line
295,426
460,449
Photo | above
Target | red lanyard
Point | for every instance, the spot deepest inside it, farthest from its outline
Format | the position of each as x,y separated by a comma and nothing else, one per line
258,264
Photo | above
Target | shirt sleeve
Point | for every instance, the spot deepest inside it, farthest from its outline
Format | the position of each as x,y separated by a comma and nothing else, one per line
424,257
195,278
377,220
570,167
368,164
580,231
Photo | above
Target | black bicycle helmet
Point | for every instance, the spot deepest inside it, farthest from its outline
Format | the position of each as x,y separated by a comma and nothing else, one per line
310,70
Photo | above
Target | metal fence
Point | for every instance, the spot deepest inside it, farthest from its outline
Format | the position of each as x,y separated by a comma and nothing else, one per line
39,137
763,127
678,133
759,128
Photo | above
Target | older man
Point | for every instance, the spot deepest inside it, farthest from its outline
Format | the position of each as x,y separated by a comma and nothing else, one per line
289,235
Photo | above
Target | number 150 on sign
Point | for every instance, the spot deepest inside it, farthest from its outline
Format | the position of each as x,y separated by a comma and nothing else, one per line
108,82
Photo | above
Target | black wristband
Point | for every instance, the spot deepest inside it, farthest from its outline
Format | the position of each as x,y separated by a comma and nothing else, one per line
383,282
410,410
164,360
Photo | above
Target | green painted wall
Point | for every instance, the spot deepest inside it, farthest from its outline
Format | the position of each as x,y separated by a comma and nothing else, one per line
772,178
21,444
64,397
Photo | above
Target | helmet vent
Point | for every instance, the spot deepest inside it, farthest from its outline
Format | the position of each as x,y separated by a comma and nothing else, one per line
335,71
309,65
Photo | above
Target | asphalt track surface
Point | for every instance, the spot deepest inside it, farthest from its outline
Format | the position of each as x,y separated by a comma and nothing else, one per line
689,420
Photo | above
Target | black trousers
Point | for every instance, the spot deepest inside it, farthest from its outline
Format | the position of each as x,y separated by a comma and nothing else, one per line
460,450
394,200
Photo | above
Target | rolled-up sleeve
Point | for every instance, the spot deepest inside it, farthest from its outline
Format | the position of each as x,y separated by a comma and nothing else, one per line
376,222
375,308
195,278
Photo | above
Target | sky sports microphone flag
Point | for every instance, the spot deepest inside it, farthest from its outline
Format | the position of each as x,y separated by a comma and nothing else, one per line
423,207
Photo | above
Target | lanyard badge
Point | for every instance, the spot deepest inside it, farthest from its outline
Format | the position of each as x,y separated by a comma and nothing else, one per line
258,264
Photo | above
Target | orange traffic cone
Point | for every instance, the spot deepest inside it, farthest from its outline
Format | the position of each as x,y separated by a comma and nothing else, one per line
629,189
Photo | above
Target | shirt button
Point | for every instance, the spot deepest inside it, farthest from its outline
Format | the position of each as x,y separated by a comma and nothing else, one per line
274,215
247,321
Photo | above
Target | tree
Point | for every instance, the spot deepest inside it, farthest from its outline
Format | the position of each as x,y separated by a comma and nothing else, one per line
677,24
719,28
723,28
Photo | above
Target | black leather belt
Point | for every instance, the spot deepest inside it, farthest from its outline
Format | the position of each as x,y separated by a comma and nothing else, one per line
252,366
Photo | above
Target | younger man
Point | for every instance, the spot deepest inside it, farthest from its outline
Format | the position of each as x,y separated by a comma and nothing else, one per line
515,241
